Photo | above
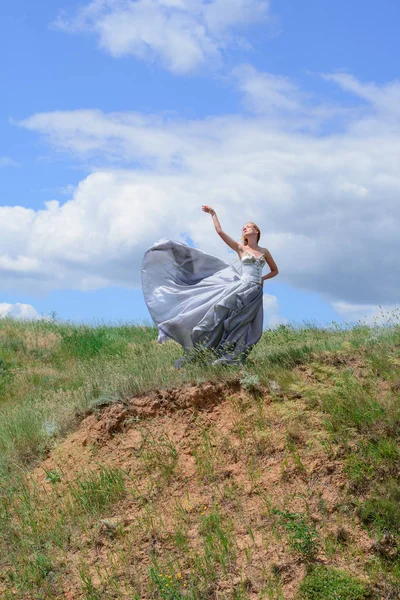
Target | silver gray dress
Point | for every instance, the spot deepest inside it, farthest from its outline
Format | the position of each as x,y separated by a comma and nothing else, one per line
199,300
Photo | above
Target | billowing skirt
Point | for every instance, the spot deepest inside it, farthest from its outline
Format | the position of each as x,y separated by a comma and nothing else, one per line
197,299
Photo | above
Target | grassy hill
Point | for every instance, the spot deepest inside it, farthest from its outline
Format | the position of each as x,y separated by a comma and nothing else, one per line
121,477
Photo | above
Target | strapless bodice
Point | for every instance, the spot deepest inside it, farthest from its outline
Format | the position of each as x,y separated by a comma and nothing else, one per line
252,267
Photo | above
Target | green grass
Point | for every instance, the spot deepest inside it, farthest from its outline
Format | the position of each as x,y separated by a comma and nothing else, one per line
160,456
219,547
325,583
165,585
99,490
206,457
302,536
382,509
52,372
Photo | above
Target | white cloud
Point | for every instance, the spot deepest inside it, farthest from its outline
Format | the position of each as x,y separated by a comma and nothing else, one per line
6,161
386,97
368,314
94,240
18,311
383,121
288,107
328,205
267,93
182,34
272,318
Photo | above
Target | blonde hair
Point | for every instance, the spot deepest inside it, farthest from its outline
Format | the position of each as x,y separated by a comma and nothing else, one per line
244,240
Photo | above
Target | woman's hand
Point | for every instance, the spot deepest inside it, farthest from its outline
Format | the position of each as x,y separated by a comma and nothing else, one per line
208,209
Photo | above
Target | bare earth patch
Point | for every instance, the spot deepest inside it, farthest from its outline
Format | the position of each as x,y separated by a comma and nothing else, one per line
235,453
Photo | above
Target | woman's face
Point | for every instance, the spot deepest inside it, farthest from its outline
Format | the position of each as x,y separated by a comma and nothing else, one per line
248,229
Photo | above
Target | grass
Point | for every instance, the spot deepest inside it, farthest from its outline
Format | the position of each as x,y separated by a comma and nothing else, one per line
206,457
96,491
303,537
382,508
167,587
304,391
324,583
160,455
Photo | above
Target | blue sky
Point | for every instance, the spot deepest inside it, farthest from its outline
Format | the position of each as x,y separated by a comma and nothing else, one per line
317,81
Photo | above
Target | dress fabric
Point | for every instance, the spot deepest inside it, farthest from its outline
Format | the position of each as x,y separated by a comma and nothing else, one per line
197,299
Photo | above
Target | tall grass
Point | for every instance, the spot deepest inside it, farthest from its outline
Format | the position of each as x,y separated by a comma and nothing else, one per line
52,372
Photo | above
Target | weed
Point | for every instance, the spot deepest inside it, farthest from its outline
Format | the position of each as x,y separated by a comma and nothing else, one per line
166,585
295,456
218,541
291,356
382,509
99,490
159,454
303,538
273,588
250,382
53,476
88,589
325,583
206,457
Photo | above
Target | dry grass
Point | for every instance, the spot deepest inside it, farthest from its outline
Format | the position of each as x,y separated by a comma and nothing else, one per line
123,478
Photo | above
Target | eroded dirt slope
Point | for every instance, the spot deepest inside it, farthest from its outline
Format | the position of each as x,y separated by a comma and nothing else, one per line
192,452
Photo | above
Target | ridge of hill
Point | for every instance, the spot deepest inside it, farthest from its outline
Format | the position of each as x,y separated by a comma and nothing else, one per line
276,481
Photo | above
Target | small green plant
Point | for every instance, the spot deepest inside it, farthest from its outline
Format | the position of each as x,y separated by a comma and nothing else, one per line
159,454
382,509
168,586
325,583
206,458
273,587
295,456
303,538
250,382
53,476
217,534
37,569
240,592
99,490
88,588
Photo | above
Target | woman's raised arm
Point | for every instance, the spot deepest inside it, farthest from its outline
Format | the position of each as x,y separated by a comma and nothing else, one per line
227,239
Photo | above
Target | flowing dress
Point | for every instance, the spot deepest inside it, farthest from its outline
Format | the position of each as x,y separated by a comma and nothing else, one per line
197,299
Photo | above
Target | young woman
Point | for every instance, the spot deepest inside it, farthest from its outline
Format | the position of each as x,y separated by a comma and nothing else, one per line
197,299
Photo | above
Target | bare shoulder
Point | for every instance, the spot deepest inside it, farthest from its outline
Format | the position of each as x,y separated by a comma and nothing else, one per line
270,261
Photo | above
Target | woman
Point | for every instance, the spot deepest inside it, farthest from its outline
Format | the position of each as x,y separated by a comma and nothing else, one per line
199,300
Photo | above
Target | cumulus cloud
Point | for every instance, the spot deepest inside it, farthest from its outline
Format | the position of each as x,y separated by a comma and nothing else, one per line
182,34
94,240
327,203
272,317
18,311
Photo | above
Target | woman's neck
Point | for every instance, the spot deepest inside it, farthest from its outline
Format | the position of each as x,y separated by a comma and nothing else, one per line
252,246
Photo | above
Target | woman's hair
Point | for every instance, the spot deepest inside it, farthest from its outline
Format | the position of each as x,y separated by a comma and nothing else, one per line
258,233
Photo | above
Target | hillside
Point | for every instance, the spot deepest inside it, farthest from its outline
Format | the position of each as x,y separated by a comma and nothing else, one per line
124,478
